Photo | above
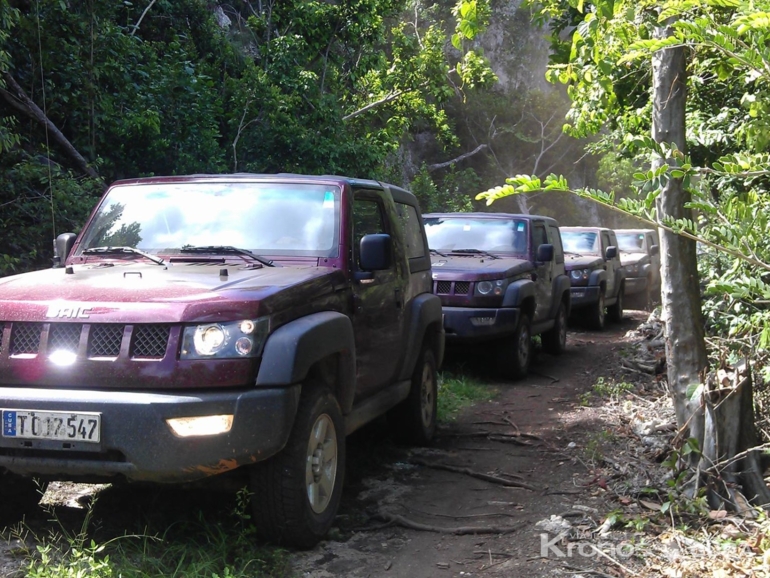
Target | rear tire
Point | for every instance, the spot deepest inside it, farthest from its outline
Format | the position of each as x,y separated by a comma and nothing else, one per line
413,421
514,353
296,493
555,339
616,311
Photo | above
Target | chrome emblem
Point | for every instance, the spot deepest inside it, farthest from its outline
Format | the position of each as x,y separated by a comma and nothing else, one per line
68,312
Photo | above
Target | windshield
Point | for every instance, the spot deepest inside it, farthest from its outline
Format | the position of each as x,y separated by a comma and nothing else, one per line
495,235
265,218
580,242
631,241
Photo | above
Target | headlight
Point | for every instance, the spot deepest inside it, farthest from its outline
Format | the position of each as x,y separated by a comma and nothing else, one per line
579,274
496,287
232,340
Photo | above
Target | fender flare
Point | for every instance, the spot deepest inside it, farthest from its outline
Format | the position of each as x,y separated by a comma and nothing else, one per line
292,349
596,278
518,291
561,286
425,315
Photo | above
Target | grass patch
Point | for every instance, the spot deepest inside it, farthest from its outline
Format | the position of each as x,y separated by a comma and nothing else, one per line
189,548
458,391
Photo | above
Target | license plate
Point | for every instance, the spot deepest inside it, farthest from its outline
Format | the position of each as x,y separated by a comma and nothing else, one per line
52,425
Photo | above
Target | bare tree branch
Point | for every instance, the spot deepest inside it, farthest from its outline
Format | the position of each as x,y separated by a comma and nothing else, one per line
138,22
456,160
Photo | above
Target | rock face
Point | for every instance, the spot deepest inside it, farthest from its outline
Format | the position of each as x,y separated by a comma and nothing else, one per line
516,48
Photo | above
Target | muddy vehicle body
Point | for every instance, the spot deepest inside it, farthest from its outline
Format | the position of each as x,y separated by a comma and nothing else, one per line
501,279
640,257
597,278
222,324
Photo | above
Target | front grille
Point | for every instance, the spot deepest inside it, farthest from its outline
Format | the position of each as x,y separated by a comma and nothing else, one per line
150,341
452,287
147,341
64,336
25,338
105,340
462,287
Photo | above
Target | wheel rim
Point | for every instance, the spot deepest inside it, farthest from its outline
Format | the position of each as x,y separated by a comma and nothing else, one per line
427,395
321,466
523,351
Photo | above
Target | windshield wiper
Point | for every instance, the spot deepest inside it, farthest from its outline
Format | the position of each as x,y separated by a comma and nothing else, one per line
435,252
227,250
475,252
122,251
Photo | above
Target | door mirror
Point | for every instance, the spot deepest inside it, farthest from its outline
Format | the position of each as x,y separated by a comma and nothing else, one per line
375,252
654,250
612,252
545,253
62,247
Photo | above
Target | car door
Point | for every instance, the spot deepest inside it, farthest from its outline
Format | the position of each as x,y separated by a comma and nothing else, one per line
543,273
650,242
378,312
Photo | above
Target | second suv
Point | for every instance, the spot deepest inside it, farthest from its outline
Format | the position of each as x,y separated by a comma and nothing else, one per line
640,255
501,279
596,274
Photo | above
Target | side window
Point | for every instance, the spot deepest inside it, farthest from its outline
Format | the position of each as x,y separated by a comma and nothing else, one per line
558,251
367,220
415,246
605,242
539,236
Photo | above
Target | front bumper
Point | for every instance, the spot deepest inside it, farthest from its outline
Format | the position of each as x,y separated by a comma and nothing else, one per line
137,444
635,285
465,324
584,296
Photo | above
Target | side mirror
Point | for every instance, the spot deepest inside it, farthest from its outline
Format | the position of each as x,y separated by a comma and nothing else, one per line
375,252
544,253
62,247
612,252
654,250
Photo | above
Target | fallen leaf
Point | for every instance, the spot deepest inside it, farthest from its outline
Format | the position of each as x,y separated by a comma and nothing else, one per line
717,514
650,505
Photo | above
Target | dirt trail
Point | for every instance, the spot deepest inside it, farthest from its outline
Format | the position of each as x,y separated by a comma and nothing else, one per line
387,480
397,482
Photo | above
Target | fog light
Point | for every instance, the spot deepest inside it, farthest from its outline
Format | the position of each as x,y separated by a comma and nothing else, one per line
63,357
205,425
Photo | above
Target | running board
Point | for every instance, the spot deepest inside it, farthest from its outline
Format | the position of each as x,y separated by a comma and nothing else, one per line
376,405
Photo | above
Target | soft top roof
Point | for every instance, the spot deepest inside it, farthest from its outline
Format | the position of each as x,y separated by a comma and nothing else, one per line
586,229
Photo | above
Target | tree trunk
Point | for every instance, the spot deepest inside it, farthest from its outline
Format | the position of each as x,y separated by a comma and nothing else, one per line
680,292
719,411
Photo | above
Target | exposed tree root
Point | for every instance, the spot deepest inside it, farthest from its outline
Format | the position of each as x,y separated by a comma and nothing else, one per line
396,520
474,474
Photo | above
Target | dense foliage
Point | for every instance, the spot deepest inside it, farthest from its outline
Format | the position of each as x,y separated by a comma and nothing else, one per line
606,66
95,91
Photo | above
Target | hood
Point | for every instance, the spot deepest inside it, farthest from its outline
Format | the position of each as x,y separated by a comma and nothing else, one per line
131,292
633,258
574,261
477,267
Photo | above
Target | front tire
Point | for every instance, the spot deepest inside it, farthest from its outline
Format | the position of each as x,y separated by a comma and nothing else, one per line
515,352
18,494
597,313
616,311
555,339
413,421
296,493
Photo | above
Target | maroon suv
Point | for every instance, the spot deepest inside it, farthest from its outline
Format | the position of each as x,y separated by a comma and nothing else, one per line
222,323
